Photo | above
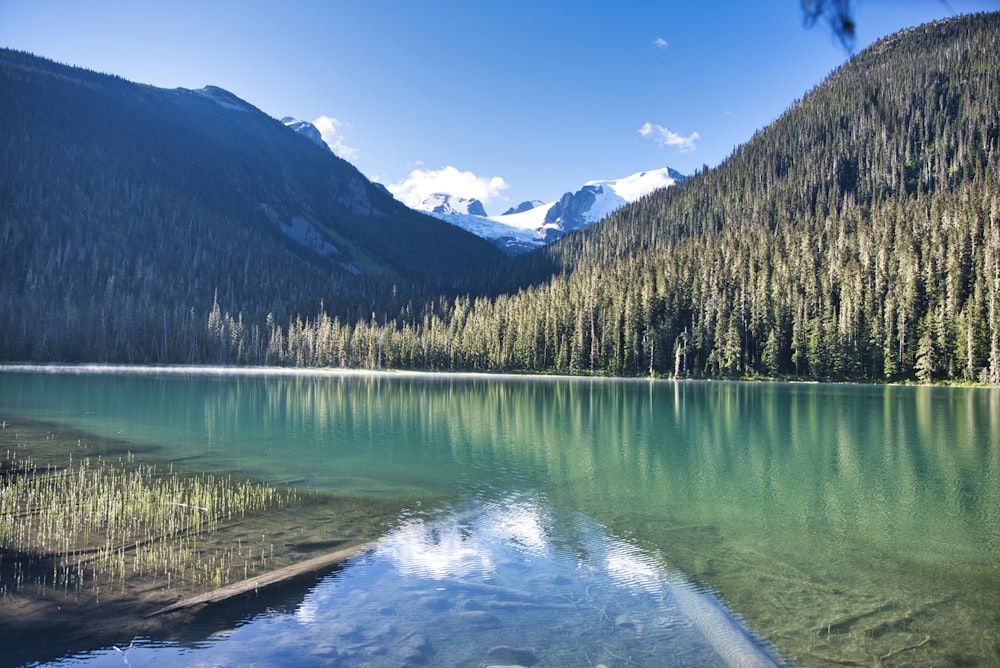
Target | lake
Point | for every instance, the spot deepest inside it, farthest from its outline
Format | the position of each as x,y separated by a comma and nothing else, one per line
567,522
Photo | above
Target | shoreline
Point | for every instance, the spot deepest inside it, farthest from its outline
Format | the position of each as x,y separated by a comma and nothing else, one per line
343,372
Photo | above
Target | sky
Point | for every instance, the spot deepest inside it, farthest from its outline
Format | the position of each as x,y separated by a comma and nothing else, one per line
502,101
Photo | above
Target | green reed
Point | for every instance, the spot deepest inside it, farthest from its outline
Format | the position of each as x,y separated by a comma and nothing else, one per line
99,522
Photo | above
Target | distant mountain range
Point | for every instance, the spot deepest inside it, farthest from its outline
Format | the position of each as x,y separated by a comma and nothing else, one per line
532,224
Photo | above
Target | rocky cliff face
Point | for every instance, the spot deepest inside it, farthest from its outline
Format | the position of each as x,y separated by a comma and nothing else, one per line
572,211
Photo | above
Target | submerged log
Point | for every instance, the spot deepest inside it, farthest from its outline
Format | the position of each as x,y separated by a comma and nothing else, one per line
844,621
266,580
730,641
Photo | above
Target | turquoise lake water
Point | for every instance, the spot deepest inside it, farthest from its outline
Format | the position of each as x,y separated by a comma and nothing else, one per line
555,521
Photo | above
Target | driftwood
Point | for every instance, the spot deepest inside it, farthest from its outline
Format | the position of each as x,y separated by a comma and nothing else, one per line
266,580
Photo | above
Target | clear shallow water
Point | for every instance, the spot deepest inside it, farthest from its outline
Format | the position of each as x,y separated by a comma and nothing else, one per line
486,584
843,523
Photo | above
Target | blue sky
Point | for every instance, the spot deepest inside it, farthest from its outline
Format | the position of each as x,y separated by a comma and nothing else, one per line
524,99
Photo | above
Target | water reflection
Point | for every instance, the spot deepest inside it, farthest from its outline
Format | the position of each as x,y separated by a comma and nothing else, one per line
800,504
486,584
900,466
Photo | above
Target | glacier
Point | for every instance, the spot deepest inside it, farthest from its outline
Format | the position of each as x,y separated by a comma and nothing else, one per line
526,230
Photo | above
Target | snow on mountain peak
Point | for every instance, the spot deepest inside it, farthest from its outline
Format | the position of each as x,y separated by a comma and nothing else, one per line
442,203
636,186
306,129
522,207
533,224
598,199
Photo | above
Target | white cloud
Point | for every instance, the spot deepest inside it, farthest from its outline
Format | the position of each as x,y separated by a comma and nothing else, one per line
332,131
660,43
665,137
421,184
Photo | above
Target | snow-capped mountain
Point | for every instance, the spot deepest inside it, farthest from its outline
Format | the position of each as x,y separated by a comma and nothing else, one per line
523,206
441,203
597,199
531,225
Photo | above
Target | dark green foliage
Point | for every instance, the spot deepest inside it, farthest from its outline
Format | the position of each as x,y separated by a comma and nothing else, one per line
856,238
126,209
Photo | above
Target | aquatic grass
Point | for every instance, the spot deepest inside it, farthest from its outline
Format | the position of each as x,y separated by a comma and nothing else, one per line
103,522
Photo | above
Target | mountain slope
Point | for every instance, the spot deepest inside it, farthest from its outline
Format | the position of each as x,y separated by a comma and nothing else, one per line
853,238
129,209
912,116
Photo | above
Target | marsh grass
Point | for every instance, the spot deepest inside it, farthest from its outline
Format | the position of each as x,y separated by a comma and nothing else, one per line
71,580
95,523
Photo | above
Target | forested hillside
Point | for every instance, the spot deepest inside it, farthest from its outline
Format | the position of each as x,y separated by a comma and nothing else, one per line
127,212
856,238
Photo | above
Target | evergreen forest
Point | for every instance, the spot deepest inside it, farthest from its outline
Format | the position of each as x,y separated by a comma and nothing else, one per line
856,238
